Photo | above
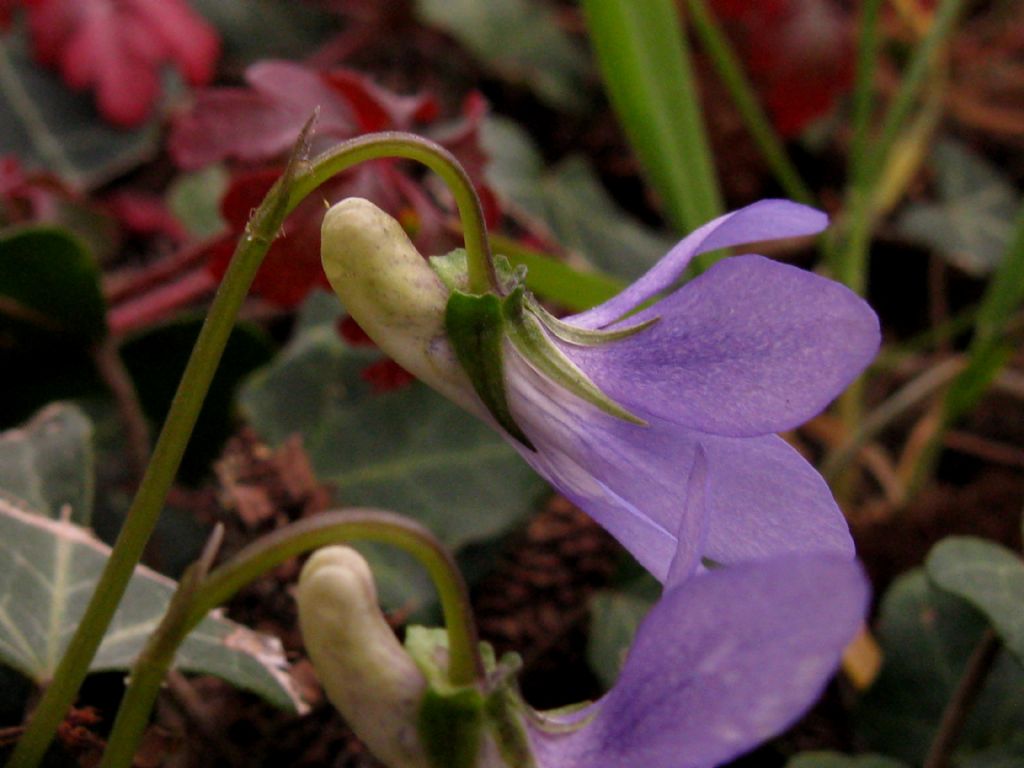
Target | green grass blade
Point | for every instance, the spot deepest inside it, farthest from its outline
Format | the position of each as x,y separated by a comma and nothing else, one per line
644,59
760,127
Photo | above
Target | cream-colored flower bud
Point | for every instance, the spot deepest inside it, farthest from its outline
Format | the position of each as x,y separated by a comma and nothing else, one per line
394,295
365,671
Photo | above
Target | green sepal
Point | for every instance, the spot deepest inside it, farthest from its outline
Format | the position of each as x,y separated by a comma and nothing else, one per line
506,713
451,727
454,721
532,342
476,330
453,269
584,337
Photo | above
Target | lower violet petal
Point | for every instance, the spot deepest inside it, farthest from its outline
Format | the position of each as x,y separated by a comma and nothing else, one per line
724,661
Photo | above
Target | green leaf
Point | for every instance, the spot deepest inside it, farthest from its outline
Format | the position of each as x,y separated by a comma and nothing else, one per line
927,635
48,125
989,577
645,61
49,282
194,199
615,615
837,760
521,40
47,571
48,464
408,450
570,200
971,224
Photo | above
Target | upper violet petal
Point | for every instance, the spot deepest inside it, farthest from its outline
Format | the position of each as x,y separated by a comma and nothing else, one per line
748,348
722,662
763,220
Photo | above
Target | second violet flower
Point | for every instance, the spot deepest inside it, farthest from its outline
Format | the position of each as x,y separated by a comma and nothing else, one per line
613,406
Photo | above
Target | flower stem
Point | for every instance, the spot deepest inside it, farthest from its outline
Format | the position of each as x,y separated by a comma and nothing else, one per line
300,178
197,596
482,277
955,715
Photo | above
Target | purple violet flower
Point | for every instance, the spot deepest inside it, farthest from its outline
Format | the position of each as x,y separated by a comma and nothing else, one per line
750,348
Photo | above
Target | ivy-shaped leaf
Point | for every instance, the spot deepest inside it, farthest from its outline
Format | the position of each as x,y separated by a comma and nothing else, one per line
972,222
570,201
48,569
519,39
927,636
48,463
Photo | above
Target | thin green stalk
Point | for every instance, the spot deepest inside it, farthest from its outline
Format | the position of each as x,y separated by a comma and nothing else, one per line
199,598
149,500
482,277
757,122
643,55
864,84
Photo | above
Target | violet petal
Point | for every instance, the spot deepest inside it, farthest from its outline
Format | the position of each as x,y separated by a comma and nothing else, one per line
722,662
763,220
748,348
762,498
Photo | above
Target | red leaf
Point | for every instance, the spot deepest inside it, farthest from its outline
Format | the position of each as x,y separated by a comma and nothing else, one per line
146,215
799,54
291,268
386,376
117,47
262,120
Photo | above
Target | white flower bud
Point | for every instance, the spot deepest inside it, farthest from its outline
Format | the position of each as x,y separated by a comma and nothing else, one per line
394,295
365,671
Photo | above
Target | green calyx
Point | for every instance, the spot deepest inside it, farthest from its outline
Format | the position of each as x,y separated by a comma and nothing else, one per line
478,324
455,721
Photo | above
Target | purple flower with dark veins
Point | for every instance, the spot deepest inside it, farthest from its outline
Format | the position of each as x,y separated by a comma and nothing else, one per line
613,405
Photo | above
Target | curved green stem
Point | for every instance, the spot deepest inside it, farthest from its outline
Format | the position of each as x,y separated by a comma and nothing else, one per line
198,596
300,178
482,277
